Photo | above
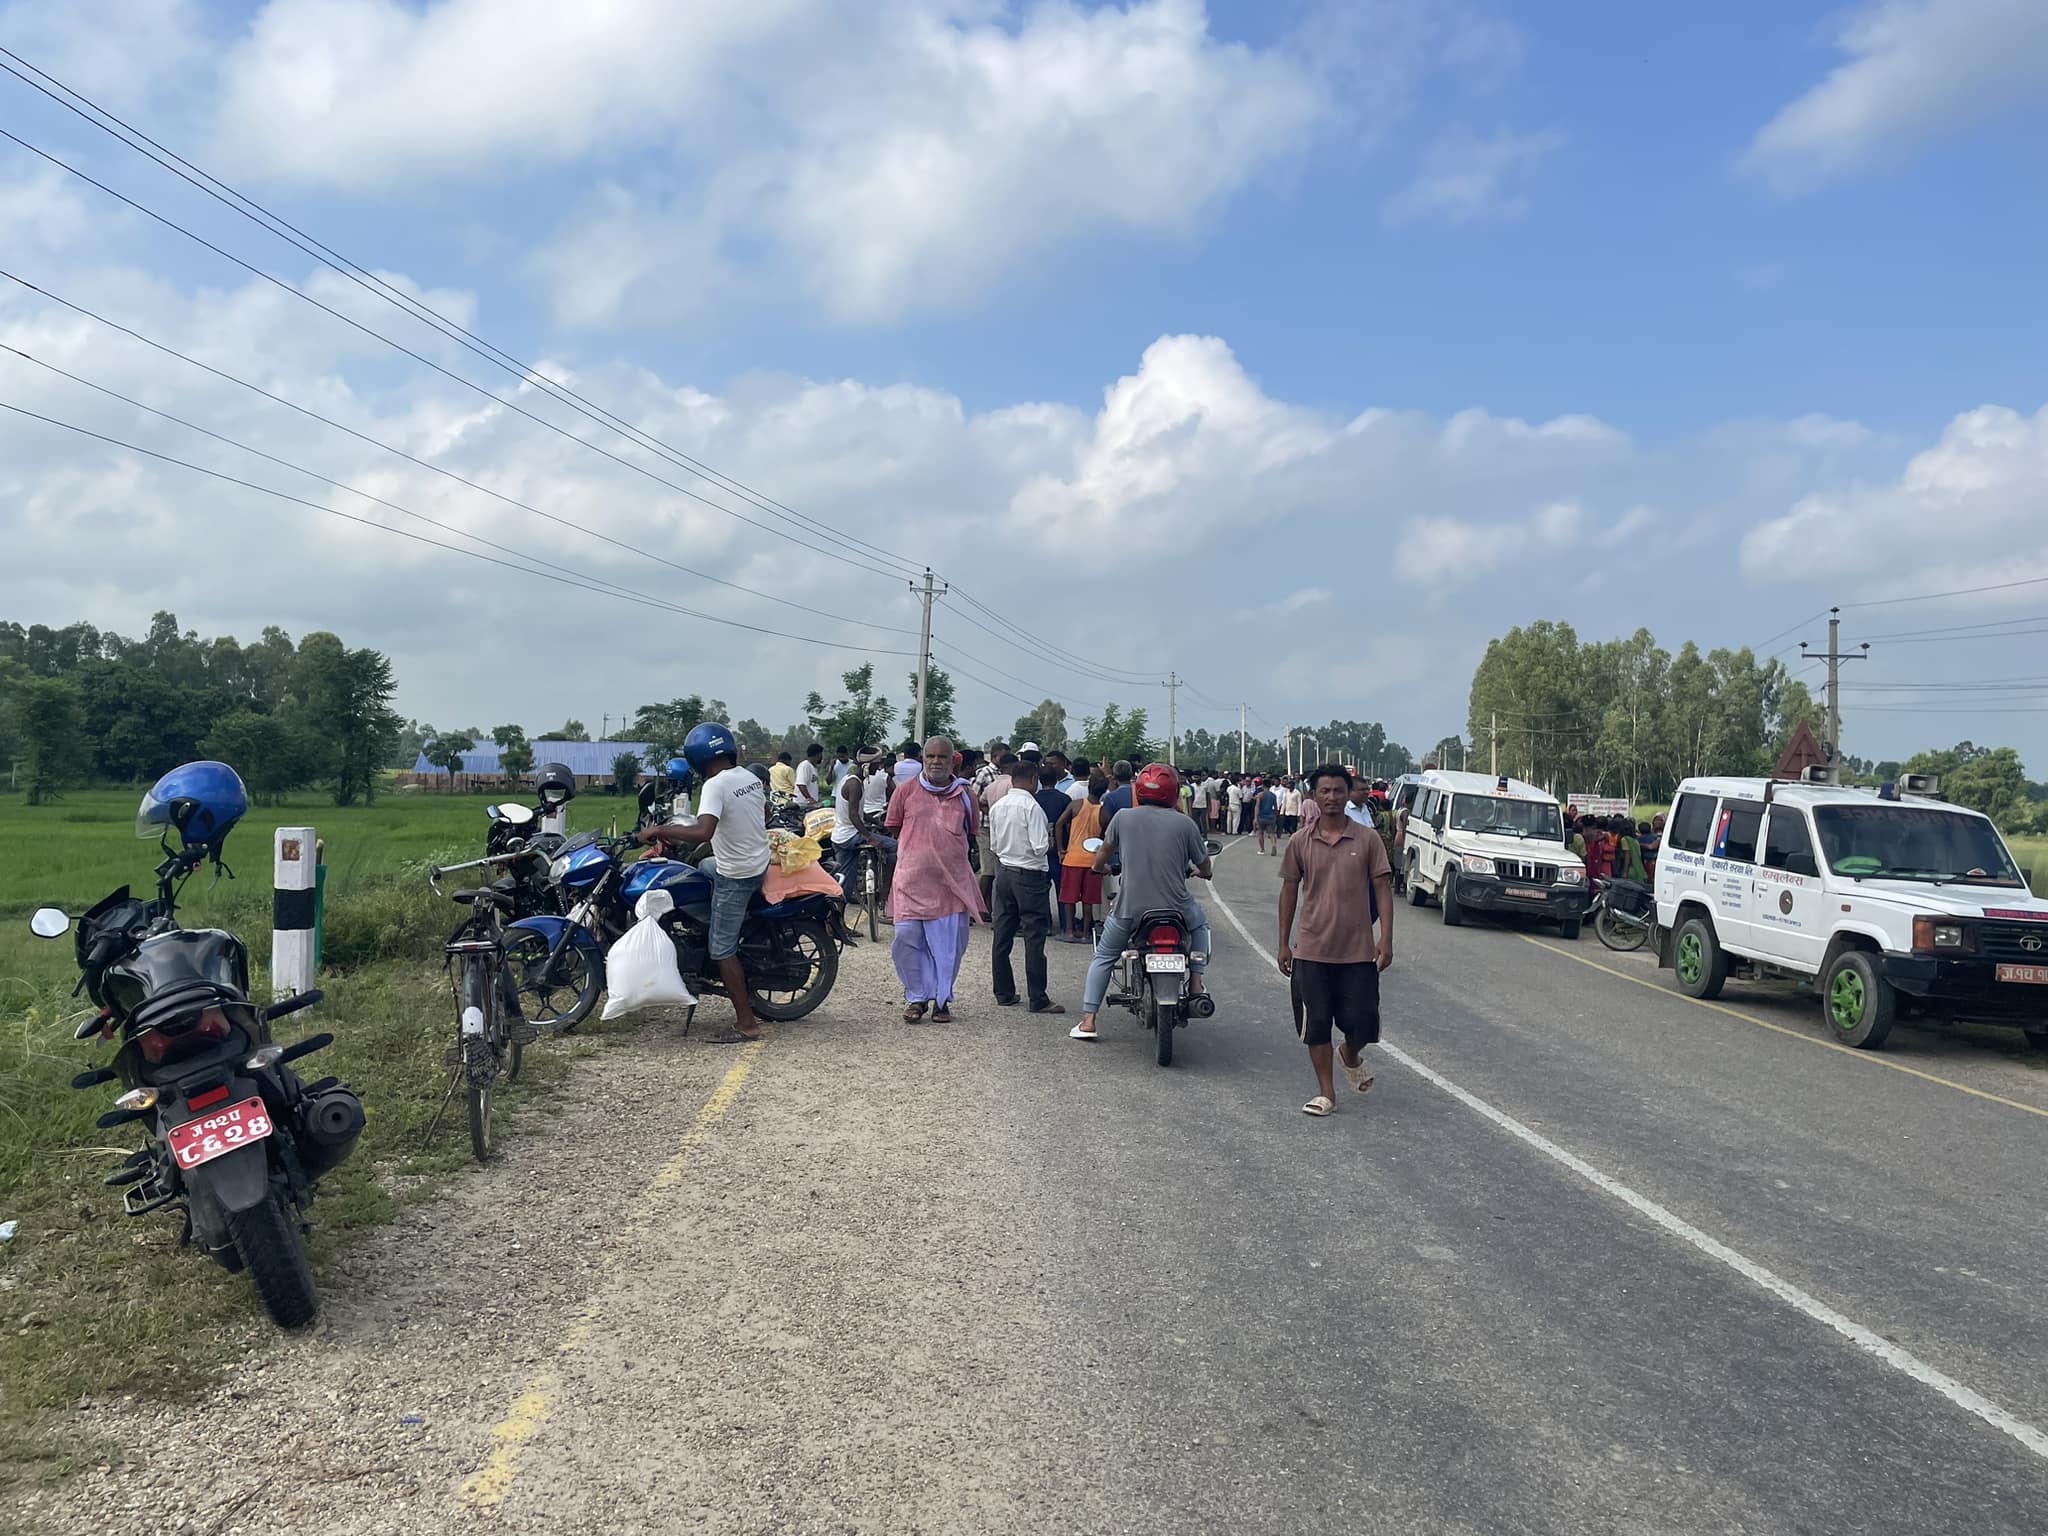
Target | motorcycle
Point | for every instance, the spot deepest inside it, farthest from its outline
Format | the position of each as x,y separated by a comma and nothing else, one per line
1624,914
234,1138
523,852
788,949
1150,977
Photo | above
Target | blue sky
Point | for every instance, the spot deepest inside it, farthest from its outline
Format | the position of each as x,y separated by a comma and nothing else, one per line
1700,318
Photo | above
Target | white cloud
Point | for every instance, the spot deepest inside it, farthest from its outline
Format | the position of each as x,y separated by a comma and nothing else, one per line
1965,512
1440,553
1466,177
1915,68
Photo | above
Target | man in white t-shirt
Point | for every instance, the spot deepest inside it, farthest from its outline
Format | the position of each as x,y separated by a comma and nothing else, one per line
807,797
732,816
842,765
1201,798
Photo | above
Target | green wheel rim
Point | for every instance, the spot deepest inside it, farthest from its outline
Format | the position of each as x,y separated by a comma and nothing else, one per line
1692,962
1846,999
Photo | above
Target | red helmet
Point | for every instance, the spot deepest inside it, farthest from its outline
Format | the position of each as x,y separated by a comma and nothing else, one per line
1156,784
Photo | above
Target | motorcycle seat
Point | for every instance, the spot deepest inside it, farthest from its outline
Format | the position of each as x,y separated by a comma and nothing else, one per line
499,899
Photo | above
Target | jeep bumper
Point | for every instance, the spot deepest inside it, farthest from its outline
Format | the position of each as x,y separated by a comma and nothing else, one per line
1489,893
1967,989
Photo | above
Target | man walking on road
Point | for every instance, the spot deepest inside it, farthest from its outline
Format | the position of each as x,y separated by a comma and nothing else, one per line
1021,836
1332,877
934,900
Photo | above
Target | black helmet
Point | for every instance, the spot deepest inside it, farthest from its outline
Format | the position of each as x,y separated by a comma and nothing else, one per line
557,785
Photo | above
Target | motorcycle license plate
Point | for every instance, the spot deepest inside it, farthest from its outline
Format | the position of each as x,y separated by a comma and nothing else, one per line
216,1135
1166,962
2036,974
1524,893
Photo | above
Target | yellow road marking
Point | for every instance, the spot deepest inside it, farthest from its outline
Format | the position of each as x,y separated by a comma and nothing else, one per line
1868,1058
486,1487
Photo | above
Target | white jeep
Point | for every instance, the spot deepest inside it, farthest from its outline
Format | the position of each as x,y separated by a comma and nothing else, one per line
1482,844
1890,903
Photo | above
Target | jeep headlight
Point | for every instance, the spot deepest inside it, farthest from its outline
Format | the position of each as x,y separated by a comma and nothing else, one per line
1475,865
1571,877
1933,935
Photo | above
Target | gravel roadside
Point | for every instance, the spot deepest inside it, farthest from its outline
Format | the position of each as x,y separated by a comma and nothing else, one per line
835,1319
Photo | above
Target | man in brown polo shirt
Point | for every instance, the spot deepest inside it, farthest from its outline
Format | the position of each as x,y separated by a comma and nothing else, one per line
1335,877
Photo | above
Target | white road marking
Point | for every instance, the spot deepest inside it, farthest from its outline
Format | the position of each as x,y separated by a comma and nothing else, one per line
1863,1338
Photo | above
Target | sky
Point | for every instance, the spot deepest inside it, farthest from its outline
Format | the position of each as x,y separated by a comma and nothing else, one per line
1298,347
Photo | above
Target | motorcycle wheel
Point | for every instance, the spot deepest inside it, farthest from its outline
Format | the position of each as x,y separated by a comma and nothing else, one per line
1160,1021
267,1241
1619,934
566,1003
808,939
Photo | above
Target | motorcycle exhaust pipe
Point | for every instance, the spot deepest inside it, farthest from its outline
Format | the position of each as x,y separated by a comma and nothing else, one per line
330,1122
1201,1005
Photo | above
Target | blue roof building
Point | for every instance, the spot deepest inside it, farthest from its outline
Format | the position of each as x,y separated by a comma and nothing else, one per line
585,759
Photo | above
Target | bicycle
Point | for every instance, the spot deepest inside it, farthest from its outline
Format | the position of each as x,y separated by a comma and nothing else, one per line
492,1032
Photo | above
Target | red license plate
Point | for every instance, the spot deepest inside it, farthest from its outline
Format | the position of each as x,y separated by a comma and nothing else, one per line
218,1134
2037,974
1523,893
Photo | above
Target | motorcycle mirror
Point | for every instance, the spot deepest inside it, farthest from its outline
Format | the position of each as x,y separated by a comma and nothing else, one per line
49,923
512,813
1091,845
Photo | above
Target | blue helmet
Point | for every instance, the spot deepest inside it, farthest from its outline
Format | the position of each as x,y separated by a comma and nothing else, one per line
708,741
678,770
202,800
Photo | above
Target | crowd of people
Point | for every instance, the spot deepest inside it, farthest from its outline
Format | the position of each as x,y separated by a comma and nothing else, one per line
1051,848
1615,847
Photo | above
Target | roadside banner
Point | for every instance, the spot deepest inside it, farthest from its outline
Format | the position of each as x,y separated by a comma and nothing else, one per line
1599,805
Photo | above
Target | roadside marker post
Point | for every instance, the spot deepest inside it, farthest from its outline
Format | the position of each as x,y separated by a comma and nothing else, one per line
293,899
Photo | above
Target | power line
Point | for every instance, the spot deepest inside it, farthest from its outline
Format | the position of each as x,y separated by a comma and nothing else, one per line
378,288
449,373
1951,629
1065,660
1928,597
341,485
545,574
1102,672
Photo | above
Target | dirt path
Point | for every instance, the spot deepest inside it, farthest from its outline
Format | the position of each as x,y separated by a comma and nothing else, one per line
793,1287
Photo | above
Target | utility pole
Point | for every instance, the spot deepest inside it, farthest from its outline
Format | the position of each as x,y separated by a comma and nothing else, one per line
1172,686
930,591
1240,738
1493,744
1834,658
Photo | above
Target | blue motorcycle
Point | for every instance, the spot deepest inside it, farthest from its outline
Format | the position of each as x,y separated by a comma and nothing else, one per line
787,949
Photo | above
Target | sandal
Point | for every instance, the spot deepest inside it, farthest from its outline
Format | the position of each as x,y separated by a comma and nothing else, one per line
733,1037
943,1014
914,1014
1318,1106
1078,1032
1048,1007
1359,1078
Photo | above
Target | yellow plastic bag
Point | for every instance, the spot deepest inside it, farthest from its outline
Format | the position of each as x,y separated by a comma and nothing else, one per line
790,853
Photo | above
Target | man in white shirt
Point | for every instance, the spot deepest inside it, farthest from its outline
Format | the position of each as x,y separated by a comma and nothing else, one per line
1021,838
732,816
1201,798
851,827
807,797
842,765
1233,799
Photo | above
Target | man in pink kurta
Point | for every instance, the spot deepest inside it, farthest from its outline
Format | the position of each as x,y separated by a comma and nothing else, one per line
934,899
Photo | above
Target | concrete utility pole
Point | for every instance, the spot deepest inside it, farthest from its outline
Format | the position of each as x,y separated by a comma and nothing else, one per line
1834,658
1172,687
1493,744
930,592
1240,738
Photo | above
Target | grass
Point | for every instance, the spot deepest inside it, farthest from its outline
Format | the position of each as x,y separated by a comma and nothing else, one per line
93,1303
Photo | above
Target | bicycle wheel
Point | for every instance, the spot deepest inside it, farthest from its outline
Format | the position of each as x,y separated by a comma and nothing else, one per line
481,1024
1618,932
871,887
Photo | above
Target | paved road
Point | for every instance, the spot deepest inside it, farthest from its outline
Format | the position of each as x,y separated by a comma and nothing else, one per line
1590,1257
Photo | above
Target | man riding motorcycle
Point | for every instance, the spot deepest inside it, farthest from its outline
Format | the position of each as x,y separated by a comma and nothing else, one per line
1159,844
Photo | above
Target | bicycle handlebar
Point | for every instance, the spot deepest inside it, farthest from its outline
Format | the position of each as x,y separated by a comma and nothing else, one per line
435,872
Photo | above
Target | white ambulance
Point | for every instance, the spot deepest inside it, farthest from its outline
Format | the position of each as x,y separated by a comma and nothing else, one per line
1891,903
1477,843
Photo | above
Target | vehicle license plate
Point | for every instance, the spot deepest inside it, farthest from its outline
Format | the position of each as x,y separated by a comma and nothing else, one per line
1524,893
218,1134
1166,962
2037,974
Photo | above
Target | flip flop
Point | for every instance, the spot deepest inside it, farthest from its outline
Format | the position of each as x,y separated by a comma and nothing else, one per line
1318,1106
914,1014
1078,1033
1359,1078
1050,1008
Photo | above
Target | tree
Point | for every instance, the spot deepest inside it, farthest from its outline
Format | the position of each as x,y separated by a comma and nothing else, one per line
1451,752
1046,725
755,737
1992,781
446,753
342,698
516,761
272,758
626,772
664,726
859,720
47,722
938,705
1112,735
573,730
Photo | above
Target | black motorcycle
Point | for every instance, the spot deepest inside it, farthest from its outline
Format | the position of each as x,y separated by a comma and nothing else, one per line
234,1139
